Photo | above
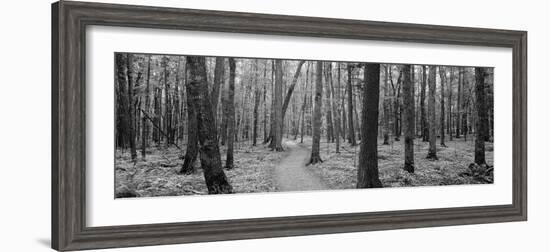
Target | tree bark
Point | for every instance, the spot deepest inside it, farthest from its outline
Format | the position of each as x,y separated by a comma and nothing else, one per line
192,149
315,153
145,125
230,115
257,96
197,88
449,109
431,114
218,80
465,106
292,86
423,121
278,134
265,103
131,108
122,79
351,131
304,105
458,101
386,105
443,80
481,126
367,173
408,123
334,98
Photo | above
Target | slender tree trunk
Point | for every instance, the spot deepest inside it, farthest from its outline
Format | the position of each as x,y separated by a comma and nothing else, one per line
465,106
397,104
131,108
343,106
122,79
257,96
315,152
367,173
231,115
218,80
431,114
449,109
481,105
351,131
334,97
292,86
265,103
211,163
223,127
423,121
304,105
408,123
167,110
329,119
386,106
458,101
443,80
145,125
278,136
272,119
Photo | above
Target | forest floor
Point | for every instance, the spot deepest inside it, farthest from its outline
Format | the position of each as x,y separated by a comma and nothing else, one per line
258,169
157,176
339,170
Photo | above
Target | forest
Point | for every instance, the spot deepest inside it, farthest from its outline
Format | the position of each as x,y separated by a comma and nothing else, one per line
196,125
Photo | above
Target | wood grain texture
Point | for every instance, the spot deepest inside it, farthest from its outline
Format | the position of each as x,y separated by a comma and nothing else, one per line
69,20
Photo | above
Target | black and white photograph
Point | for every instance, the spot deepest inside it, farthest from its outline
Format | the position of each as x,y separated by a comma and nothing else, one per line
197,125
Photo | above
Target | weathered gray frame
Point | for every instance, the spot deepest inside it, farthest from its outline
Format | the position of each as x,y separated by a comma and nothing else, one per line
69,20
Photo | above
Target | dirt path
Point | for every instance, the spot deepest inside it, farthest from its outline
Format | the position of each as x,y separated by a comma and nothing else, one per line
291,173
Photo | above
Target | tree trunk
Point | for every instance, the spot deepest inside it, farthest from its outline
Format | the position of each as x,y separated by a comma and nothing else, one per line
131,109
334,97
304,105
315,153
278,134
211,163
122,79
192,149
443,80
367,173
449,109
431,114
257,96
481,107
223,126
386,105
272,119
458,101
167,109
423,121
397,104
218,80
291,87
465,106
408,123
265,103
230,115
145,125
329,119
351,131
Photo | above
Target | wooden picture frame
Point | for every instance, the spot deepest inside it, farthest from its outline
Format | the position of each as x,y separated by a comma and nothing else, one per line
69,20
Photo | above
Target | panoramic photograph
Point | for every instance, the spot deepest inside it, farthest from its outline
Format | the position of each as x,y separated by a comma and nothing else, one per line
198,125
